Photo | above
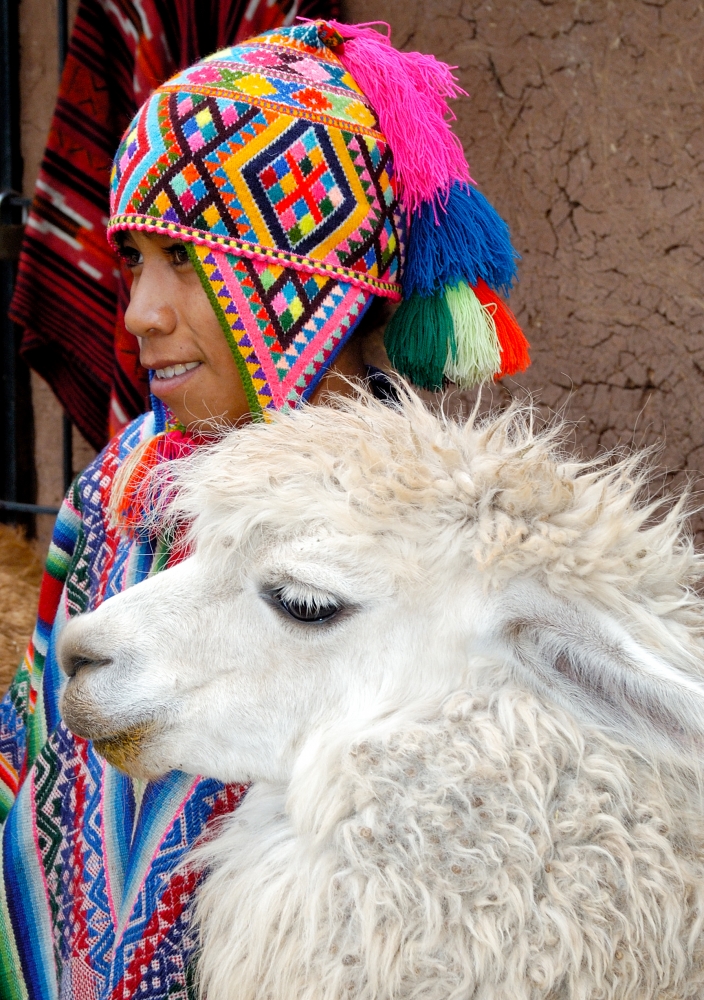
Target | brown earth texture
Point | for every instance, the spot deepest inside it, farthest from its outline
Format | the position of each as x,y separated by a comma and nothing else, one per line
584,127
20,575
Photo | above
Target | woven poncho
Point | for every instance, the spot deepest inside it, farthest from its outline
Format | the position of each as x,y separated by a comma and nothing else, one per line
90,906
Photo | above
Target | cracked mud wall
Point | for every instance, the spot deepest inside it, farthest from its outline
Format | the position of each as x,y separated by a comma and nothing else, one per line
585,129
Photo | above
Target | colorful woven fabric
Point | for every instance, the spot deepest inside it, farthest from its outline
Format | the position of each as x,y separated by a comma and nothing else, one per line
269,150
284,326
268,161
90,903
70,296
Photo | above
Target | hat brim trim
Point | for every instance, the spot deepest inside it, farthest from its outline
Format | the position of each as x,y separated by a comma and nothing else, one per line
147,223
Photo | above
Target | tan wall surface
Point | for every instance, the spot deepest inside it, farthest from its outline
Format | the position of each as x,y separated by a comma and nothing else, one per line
585,129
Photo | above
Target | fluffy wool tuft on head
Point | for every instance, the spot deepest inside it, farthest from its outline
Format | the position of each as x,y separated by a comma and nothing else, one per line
502,489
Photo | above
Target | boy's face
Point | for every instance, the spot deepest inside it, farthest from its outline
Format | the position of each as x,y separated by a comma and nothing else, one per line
181,340
176,326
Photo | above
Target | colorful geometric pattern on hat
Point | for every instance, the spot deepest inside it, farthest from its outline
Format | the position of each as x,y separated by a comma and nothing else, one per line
284,327
267,150
294,78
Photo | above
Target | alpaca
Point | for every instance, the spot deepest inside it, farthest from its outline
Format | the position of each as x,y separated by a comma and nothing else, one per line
464,671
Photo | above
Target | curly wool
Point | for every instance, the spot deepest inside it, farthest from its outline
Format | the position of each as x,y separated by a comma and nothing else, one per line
497,851
503,491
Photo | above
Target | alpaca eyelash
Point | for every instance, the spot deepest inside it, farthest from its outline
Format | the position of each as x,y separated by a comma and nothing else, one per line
307,611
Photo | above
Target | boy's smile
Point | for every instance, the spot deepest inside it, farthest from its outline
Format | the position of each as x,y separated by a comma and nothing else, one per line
173,371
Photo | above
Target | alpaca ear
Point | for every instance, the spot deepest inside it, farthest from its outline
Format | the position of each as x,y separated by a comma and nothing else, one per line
587,662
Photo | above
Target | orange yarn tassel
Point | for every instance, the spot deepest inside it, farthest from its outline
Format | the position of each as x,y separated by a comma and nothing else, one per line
514,346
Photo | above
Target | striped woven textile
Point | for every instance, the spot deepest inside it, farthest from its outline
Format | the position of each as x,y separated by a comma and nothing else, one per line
91,907
70,297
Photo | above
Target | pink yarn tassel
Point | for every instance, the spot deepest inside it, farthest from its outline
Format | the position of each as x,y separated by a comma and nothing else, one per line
408,91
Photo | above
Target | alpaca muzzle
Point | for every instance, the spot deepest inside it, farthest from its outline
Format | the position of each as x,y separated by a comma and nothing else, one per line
124,749
87,704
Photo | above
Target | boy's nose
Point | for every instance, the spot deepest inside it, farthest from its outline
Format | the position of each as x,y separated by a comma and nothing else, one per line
150,312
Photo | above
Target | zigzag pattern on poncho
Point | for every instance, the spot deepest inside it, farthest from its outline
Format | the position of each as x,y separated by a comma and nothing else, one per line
91,906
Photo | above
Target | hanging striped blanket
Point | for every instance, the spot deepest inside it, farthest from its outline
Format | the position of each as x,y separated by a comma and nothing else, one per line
91,904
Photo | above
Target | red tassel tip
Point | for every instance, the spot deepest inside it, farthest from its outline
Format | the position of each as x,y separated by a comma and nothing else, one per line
408,92
135,497
514,346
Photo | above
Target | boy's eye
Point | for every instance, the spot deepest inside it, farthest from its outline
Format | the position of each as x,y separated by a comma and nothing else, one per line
179,254
130,256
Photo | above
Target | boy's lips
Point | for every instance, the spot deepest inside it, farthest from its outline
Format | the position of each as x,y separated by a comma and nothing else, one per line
171,377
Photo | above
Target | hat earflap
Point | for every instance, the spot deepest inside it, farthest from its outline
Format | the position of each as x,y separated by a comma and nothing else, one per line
451,323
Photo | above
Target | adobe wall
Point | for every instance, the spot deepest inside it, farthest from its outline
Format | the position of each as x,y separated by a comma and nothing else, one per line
585,129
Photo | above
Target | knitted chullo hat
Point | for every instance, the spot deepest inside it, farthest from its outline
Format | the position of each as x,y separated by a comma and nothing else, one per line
292,166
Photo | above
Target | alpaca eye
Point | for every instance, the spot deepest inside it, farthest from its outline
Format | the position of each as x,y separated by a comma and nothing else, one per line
310,612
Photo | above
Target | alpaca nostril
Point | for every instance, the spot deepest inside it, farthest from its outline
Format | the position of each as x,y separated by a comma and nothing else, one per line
77,651
74,662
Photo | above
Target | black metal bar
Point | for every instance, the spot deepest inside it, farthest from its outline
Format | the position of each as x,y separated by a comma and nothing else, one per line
9,376
10,183
9,382
28,508
9,337
62,32
67,454
10,158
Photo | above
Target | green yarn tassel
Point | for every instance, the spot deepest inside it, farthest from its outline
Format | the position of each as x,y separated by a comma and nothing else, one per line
419,338
477,355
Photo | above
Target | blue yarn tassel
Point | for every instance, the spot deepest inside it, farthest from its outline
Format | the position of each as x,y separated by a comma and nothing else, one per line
468,241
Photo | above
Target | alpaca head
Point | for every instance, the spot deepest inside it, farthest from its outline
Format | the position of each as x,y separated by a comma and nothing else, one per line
353,562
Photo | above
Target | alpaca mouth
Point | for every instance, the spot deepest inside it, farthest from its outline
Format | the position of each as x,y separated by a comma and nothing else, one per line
124,749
